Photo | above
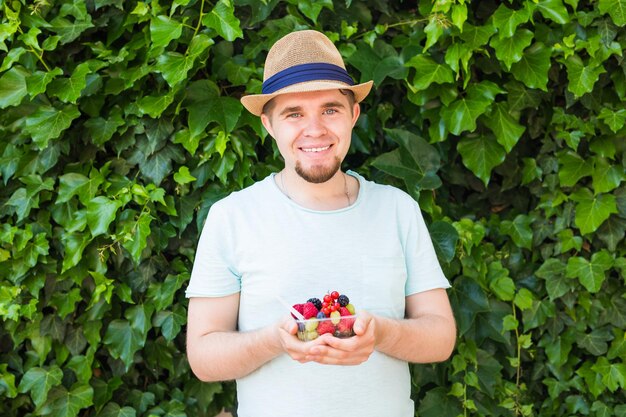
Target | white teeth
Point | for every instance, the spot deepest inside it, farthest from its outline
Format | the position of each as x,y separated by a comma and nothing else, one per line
315,149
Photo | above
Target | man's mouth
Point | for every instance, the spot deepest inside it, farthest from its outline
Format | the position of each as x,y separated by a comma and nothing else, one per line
320,149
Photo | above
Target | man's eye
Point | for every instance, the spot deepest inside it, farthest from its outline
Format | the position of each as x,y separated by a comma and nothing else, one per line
330,111
293,115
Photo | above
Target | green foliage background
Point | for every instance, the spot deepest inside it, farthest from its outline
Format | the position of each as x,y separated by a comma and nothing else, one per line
120,125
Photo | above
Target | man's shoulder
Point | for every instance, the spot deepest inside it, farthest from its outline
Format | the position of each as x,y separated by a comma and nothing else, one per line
259,191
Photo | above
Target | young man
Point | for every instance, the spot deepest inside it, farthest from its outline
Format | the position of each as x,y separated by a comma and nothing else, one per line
307,230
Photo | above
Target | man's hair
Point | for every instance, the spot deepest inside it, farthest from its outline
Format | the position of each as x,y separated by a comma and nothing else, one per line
269,106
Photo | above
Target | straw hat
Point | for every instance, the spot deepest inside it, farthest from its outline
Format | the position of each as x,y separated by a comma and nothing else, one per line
303,61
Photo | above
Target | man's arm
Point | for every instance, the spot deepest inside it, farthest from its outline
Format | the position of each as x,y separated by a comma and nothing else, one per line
216,350
427,334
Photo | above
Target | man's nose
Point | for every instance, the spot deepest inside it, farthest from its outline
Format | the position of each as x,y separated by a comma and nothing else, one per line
315,126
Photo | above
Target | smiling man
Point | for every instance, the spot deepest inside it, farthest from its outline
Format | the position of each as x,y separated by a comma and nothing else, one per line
304,231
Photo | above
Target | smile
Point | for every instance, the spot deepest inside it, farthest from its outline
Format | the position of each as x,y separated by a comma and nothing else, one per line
315,149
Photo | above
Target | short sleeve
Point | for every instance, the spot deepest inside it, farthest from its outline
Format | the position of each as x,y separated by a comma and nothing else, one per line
214,273
423,269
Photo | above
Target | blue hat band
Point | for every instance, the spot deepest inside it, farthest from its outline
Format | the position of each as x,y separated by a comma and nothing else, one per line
305,72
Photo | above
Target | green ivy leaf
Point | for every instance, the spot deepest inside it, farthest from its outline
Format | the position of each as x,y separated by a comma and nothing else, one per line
171,322
427,71
506,20
553,10
511,49
223,110
437,403
519,229
613,375
612,232
520,98
312,8
123,340
533,68
13,87
174,66
64,403
48,123
74,245
481,155
102,130
101,213
39,382
139,232
591,274
163,30
614,119
222,19
153,106
69,89
476,36
433,30
596,341
506,129
606,177
592,210
445,238
616,9
183,176
581,76
69,31
37,82
572,168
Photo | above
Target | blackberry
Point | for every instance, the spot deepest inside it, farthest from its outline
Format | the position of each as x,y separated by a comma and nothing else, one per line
343,300
316,302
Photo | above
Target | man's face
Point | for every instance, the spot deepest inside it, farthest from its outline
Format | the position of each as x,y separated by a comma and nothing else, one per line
312,131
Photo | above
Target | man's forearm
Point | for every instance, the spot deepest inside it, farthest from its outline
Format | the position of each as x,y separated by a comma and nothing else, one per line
426,339
221,356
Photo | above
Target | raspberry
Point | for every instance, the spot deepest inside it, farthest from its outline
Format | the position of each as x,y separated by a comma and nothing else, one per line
325,327
299,308
344,311
344,328
309,310
343,300
316,302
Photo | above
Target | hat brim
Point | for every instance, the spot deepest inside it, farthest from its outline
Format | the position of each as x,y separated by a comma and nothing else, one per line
255,102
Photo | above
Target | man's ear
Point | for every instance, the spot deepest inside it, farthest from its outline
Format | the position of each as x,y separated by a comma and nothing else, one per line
356,112
267,124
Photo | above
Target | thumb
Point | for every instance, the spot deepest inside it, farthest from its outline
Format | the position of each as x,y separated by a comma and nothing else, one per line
363,320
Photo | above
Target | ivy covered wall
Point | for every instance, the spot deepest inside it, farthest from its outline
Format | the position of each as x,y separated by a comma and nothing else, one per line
120,125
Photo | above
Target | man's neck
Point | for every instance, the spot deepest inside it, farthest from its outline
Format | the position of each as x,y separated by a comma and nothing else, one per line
338,192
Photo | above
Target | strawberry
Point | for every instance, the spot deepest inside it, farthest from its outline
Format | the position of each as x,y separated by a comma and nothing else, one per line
309,310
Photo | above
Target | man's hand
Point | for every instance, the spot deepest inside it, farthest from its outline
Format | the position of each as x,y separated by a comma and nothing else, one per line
330,350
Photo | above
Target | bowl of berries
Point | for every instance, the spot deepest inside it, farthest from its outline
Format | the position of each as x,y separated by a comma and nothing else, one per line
332,314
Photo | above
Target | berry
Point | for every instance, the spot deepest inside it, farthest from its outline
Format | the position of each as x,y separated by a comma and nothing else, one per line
321,315
343,300
350,308
326,311
344,311
345,327
335,317
325,327
316,302
334,295
309,310
328,299
299,308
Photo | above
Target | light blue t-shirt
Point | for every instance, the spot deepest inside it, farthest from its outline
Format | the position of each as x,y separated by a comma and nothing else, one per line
377,251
